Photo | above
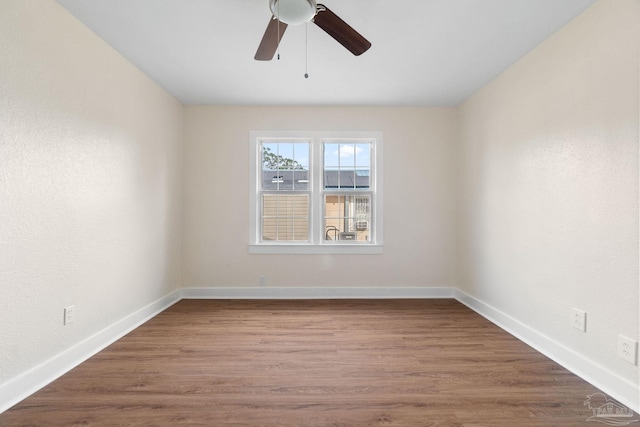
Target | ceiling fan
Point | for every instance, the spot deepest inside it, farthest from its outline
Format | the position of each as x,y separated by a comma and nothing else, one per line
296,12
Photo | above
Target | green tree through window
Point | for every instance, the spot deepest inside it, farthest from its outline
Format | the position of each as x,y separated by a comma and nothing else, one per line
272,161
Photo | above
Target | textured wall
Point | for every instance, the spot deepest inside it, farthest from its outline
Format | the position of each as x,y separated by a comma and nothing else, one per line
419,223
91,195
549,185
90,185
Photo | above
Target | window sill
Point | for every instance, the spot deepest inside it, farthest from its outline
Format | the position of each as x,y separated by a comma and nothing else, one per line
305,249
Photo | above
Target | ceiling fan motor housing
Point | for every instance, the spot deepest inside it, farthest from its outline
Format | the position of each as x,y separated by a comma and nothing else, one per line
293,12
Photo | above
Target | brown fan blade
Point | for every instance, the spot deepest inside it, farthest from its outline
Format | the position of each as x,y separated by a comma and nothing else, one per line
341,31
270,40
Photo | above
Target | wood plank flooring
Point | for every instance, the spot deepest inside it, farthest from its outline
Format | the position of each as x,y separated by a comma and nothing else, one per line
312,363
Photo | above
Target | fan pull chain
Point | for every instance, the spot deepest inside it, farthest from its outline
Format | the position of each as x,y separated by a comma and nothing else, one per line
306,50
278,31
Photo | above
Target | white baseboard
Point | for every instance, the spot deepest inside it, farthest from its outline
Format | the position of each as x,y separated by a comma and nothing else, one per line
316,293
21,387
621,389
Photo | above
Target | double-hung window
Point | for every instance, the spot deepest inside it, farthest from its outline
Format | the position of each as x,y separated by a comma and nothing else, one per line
315,192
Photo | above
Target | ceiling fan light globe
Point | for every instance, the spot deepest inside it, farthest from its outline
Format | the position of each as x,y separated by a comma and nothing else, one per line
293,12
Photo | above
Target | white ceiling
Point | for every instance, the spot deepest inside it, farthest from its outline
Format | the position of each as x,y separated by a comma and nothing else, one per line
424,52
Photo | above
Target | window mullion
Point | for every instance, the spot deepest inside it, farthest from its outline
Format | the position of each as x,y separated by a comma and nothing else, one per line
317,193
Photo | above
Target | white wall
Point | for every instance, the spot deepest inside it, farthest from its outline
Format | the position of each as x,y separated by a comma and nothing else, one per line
419,217
92,200
90,185
548,187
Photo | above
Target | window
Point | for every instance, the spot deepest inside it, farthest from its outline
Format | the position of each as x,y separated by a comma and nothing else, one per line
315,192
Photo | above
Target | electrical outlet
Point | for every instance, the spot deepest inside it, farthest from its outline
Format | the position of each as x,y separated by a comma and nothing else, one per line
69,314
262,280
579,319
627,349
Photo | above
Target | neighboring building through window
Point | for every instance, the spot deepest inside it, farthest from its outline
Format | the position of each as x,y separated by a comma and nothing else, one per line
316,192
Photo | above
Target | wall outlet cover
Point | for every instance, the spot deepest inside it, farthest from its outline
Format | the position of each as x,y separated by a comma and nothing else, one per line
628,349
69,314
579,319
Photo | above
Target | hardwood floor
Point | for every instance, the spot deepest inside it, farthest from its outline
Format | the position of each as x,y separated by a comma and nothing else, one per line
312,363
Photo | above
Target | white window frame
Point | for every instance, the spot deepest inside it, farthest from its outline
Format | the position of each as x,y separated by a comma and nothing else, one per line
316,244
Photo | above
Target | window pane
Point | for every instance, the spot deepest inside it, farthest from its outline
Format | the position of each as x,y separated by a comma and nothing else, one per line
347,217
269,155
285,166
347,156
285,217
363,156
363,165
347,165
331,156
301,167
285,156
